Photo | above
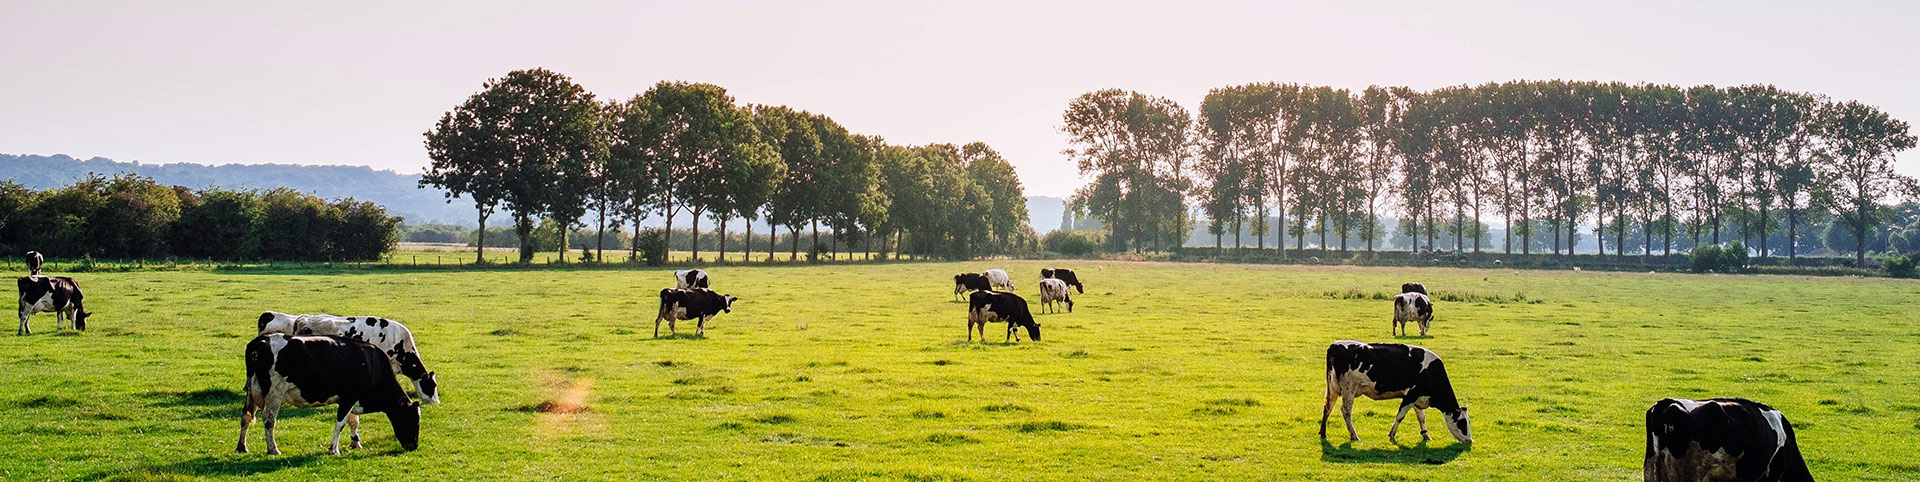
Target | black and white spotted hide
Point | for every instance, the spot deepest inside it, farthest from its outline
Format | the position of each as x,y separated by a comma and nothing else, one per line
57,294
1721,440
390,335
313,371
1414,307
1382,371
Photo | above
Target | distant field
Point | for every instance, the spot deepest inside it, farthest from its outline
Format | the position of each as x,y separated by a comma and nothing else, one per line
1166,371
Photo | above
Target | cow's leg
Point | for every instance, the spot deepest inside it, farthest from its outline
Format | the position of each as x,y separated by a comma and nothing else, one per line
1421,415
1393,434
656,327
246,420
1423,326
268,415
700,326
1327,409
25,314
339,423
1346,412
59,320
353,425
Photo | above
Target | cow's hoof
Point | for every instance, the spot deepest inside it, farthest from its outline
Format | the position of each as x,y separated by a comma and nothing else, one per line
359,445
273,451
335,451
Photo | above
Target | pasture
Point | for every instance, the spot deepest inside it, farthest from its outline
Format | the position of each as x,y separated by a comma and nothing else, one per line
855,372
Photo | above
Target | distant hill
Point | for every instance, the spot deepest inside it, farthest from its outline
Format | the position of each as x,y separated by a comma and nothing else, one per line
398,192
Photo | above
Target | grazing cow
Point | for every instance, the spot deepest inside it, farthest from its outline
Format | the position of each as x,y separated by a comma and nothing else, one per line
691,304
58,294
998,278
1054,290
969,281
1413,288
391,336
1411,306
34,260
1066,275
313,371
690,278
1721,439
993,306
1390,370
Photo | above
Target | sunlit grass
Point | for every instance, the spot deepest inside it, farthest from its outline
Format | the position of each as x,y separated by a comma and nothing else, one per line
1165,371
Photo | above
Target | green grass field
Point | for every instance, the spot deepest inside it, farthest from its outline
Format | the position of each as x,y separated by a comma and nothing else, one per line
1166,371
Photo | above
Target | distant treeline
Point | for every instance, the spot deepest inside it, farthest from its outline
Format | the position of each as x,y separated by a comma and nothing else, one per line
130,216
1644,163
536,146
546,237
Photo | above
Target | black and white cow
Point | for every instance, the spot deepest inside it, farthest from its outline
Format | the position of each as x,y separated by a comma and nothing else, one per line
1389,370
969,281
1054,291
1721,439
998,279
994,307
690,278
58,294
1414,307
34,260
391,336
699,304
1413,288
313,371
1063,274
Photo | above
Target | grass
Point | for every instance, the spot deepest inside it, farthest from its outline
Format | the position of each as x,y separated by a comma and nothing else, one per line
861,372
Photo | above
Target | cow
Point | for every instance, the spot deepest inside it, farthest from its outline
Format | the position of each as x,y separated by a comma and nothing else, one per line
58,294
1721,439
1382,371
313,371
690,278
998,279
969,281
699,304
391,336
34,260
1066,275
993,306
1414,307
1054,290
1413,288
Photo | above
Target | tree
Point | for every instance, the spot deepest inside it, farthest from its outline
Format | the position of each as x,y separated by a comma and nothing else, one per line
527,138
469,149
695,135
1858,170
798,197
632,173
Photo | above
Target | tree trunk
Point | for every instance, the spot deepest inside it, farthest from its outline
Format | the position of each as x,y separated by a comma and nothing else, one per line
600,237
1860,239
1764,231
696,234
480,255
634,255
524,228
813,252
1793,240
667,235
723,240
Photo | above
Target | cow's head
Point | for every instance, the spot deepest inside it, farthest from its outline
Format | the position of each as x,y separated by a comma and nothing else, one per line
406,424
728,306
1033,330
80,319
423,380
1456,421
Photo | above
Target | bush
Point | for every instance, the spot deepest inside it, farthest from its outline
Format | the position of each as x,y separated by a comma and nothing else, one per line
1900,266
1731,258
653,246
1069,243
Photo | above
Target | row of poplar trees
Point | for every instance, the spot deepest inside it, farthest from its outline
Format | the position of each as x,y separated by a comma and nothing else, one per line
1658,160
539,146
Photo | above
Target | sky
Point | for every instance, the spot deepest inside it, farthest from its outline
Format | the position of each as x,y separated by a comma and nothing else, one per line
358,83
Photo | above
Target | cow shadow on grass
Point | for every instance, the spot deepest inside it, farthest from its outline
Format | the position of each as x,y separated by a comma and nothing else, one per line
678,336
211,466
1412,337
1420,453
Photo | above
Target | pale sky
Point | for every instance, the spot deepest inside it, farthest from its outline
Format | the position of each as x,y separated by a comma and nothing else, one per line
357,83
